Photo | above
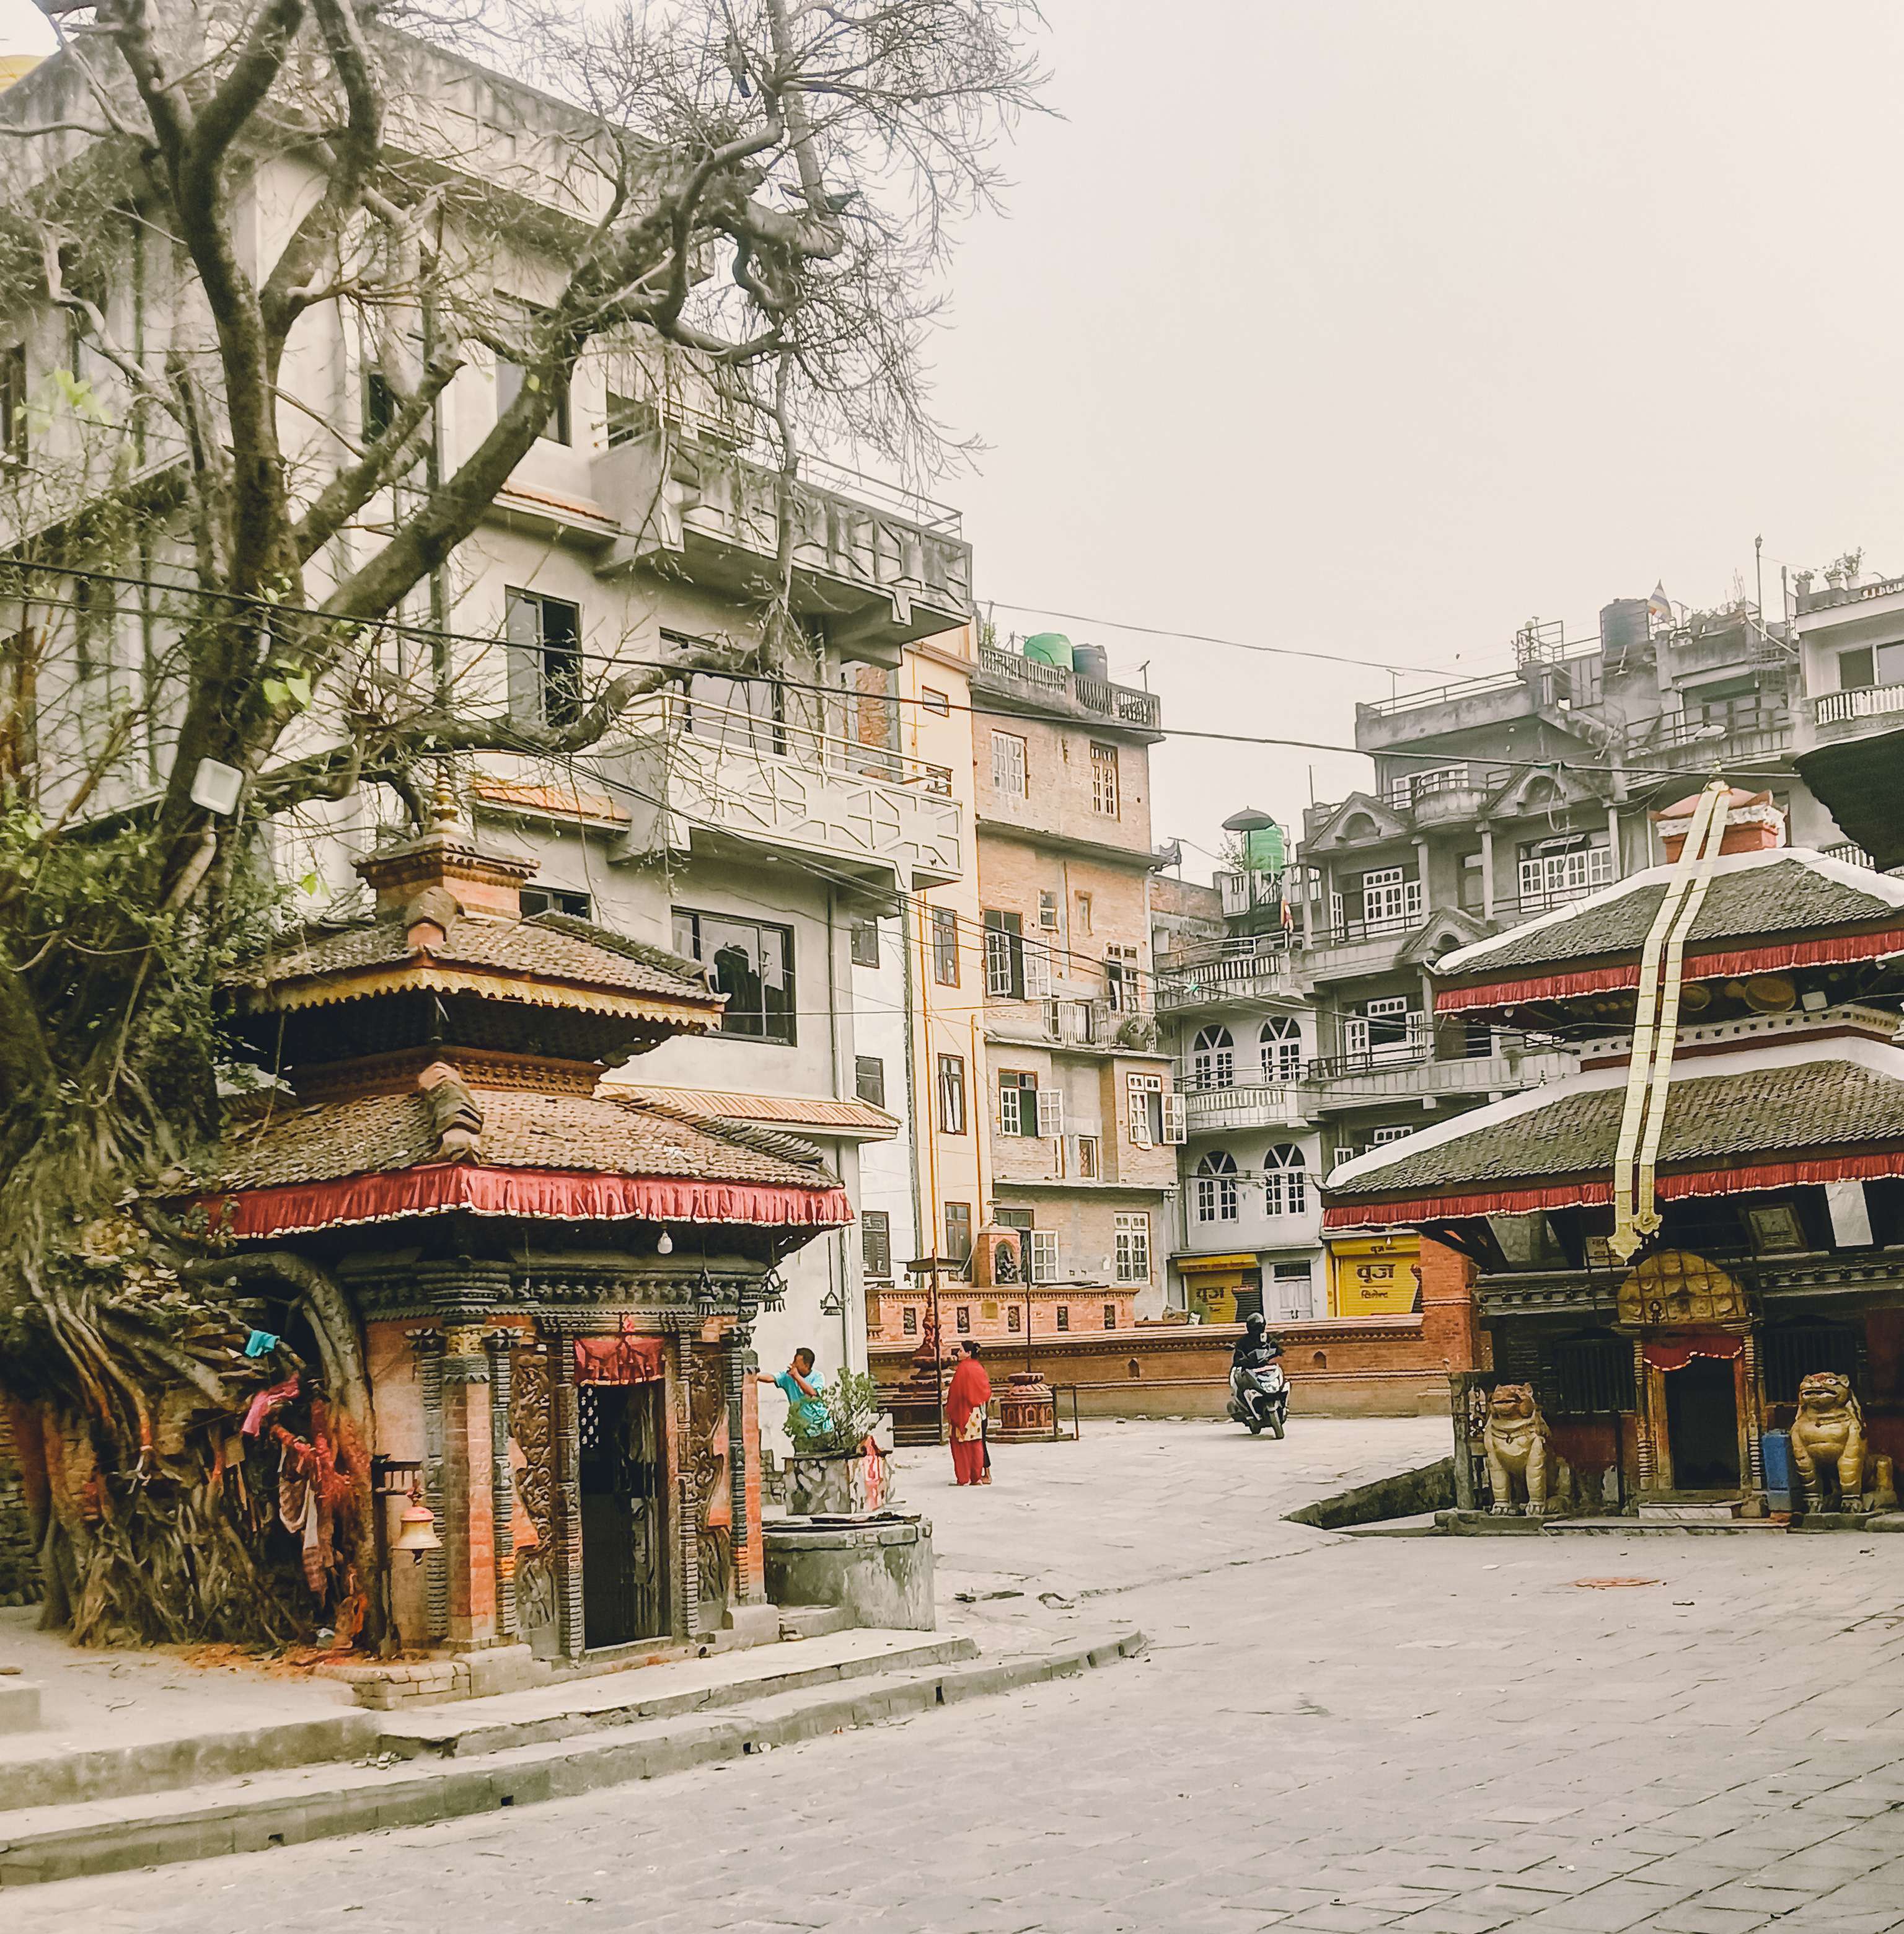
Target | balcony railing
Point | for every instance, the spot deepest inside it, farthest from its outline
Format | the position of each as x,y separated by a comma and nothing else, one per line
1120,704
1353,1079
1242,976
721,773
1262,1104
1847,855
1873,701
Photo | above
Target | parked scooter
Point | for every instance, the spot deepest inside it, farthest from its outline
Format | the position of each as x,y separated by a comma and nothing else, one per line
1259,1396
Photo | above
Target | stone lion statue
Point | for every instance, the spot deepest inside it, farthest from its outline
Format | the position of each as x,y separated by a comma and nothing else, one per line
1827,1439
1519,1452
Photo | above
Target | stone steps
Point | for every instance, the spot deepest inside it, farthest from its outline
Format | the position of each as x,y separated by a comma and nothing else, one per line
285,1808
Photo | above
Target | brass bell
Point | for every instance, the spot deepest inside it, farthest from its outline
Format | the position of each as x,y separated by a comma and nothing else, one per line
416,1530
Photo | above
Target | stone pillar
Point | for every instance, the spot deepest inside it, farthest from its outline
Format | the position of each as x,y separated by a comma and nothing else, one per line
1486,871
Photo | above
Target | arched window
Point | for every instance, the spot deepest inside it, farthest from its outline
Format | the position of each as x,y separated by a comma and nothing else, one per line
1216,1187
1213,1059
1282,1039
1285,1180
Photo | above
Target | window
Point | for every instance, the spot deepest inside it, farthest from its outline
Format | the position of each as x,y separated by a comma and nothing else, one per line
1471,894
1048,911
1379,1137
1017,1102
945,947
1389,897
1132,1246
1144,1112
1281,1040
379,405
510,377
876,1241
95,625
1036,957
1011,1317
1084,913
958,1230
952,1094
865,942
1087,1158
962,1319
1591,1375
1104,780
750,962
13,402
1008,768
1043,1263
1856,670
1213,1059
909,1322
1121,981
1005,956
748,712
545,651
556,899
1285,1180
1386,1029
869,1078
1217,1188
1560,868
935,701
1110,1316
1064,1316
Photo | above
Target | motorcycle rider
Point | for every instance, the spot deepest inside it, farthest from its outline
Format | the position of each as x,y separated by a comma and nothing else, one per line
1255,1347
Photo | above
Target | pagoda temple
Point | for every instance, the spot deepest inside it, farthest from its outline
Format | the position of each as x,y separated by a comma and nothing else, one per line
553,1283
1696,1243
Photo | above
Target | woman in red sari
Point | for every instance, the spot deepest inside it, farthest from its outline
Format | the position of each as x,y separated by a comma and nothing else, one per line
965,1399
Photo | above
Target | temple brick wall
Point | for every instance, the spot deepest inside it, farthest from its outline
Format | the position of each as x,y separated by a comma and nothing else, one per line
19,1571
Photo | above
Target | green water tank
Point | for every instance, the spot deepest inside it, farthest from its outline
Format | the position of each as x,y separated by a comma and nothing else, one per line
1263,849
1051,647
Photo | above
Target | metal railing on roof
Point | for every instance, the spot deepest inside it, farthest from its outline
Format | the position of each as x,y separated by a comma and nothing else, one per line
1127,705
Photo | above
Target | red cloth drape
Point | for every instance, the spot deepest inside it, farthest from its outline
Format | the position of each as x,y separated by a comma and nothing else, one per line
970,1390
1675,1356
551,1195
618,1360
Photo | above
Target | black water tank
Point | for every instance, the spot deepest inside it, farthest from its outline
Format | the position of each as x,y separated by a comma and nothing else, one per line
1091,661
1623,623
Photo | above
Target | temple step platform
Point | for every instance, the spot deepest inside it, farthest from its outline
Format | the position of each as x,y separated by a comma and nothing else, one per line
552,1744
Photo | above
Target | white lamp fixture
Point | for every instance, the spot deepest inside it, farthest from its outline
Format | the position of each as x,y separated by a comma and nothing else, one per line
216,787
663,1244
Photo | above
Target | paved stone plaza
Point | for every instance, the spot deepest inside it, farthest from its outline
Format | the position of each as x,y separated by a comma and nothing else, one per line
1445,1736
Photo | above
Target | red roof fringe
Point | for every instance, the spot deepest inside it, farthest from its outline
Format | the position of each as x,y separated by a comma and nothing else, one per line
545,1195
1698,967
1585,1195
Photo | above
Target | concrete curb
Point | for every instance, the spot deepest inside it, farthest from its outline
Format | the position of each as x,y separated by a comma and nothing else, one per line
51,1843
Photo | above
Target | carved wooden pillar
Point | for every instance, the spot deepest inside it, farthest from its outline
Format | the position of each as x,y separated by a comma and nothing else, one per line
569,1494
1752,1422
428,1345
1642,1398
502,1482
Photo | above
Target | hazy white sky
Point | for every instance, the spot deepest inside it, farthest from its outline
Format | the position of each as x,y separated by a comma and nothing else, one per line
1374,328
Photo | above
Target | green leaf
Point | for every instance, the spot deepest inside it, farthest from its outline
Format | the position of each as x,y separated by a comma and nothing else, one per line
299,688
310,884
276,692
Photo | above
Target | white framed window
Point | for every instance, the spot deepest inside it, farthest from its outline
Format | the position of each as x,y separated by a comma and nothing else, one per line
1577,867
1037,971
1050,1114
1047,912
1217,1187
1176,1126
1281,1039
1378,1136
1043,1258
1018,1102
1104,780
1132,1246
1389,897
1213,1059
1005,956
1285,1180
1144,1097
1008,764
1087,1158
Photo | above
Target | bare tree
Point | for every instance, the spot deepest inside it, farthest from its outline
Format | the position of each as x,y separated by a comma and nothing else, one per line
760,187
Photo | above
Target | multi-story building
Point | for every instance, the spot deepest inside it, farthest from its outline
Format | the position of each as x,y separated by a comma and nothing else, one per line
1849,738
758,825
1496,800
1080,1110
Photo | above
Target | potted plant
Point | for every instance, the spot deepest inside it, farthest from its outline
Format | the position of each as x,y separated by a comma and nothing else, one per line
835,1470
